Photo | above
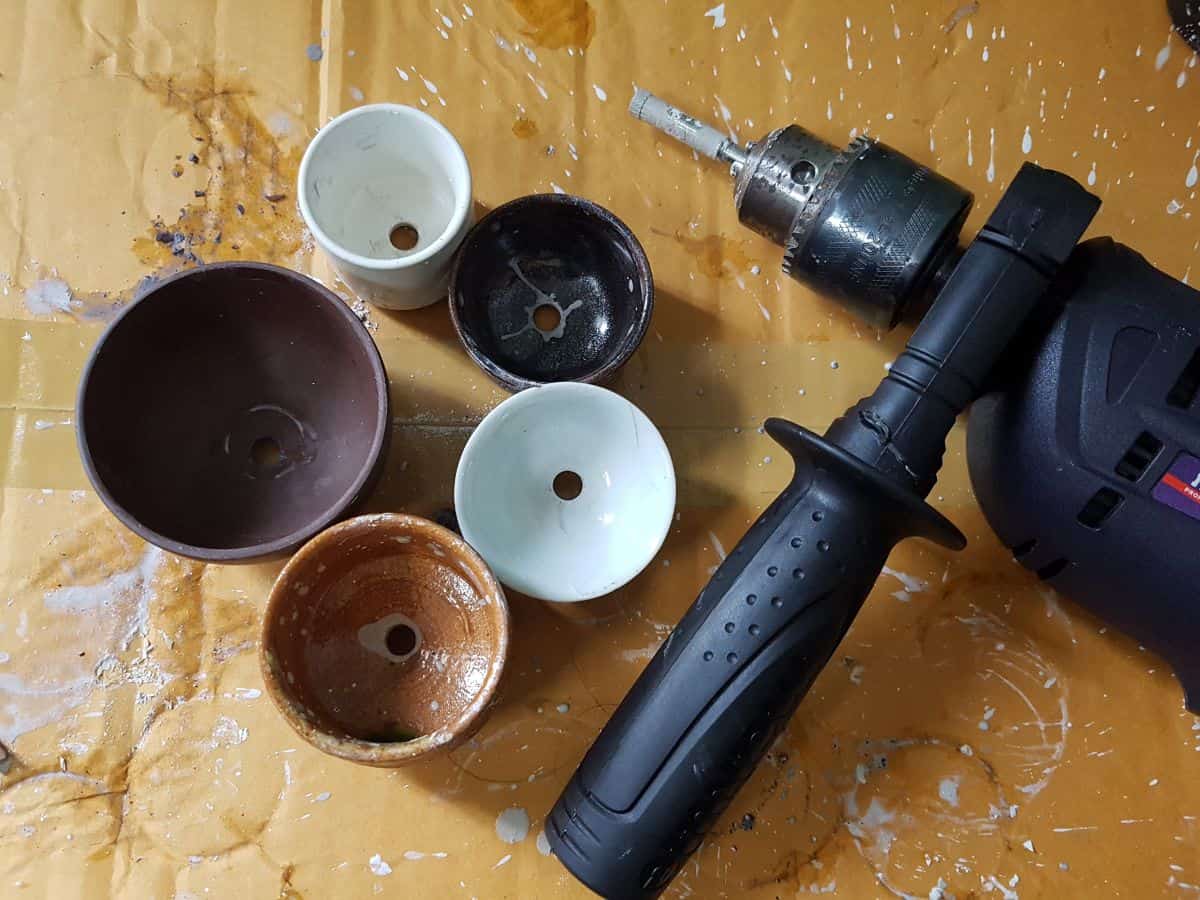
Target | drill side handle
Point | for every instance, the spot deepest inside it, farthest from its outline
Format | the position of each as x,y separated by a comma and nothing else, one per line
719,690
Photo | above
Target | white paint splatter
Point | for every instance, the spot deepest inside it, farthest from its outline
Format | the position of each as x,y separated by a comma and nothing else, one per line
991,169
543,844
1163,55
994,883
948,790
1027,141
228,733
512,825
1173,206
403,75
356,94
1103,72
717,14
970,148
378,866
718,547
430,86
322,797
504,860
48,296
246,693
912,584
1091,176
1192,175
600,93
985,53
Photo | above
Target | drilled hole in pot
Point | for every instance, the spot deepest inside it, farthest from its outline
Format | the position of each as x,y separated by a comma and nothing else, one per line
404,236
547,317
567,485
266,453
400,640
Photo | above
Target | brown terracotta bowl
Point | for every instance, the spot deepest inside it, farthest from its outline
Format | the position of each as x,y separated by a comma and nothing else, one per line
233,412
384,640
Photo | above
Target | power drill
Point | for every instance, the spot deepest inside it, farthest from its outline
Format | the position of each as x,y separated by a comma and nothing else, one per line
877,231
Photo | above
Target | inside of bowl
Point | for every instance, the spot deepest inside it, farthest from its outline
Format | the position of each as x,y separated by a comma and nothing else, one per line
550,291
383,636
567,491
233,407
385,183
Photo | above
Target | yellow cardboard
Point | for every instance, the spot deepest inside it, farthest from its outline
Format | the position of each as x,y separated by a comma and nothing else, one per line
1030,751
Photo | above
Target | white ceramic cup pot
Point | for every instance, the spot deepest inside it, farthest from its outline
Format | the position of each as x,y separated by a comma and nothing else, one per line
566,490
386,192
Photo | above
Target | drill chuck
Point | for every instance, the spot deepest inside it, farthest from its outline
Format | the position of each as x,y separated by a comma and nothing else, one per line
865,225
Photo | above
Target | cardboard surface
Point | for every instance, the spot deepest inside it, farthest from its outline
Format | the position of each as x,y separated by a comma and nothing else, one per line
973,736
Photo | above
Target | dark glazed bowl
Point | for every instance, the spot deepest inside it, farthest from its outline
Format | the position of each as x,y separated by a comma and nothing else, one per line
233,412
551,288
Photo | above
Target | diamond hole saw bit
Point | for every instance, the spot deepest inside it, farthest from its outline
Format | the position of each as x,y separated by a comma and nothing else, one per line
867,226
728,678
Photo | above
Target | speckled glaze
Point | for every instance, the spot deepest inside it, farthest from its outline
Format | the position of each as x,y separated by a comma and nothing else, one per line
328,664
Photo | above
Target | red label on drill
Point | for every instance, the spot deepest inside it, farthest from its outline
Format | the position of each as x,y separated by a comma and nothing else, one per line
1180,487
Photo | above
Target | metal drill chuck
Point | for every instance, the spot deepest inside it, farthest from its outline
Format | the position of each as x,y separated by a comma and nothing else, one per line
866,226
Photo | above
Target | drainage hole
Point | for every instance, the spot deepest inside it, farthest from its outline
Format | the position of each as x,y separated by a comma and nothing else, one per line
404,236
546,317
266,453
729,627
400,640
567,485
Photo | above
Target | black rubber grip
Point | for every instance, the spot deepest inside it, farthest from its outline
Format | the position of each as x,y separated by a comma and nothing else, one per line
728,679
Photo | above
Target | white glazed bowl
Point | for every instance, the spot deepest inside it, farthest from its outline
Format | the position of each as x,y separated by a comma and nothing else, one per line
372,170
553,548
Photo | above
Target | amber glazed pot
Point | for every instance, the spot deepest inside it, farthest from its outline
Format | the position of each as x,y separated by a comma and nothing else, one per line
384,640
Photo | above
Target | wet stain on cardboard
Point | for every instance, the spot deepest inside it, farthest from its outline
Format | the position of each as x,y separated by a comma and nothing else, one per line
524,128
247,208
718,256
555,24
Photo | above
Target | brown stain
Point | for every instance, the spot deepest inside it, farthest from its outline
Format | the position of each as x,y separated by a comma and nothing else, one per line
247,209
524,128
555,24
286,890
718,256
